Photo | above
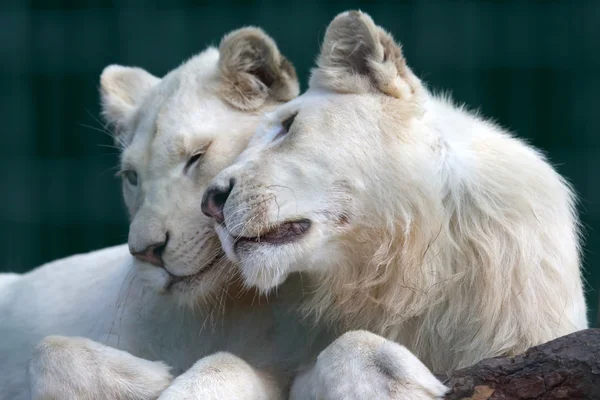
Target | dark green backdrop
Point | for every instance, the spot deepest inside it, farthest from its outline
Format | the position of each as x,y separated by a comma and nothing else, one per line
533,66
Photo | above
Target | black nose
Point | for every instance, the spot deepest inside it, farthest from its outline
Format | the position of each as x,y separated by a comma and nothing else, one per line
214,200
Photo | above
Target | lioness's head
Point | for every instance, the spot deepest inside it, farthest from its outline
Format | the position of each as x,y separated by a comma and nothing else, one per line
176,134
316,179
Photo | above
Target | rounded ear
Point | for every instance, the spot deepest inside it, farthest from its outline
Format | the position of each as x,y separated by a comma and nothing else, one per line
357,56
254,71
122,89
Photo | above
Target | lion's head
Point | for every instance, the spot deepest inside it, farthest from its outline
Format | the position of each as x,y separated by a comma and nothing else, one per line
176,134
412,217
317,175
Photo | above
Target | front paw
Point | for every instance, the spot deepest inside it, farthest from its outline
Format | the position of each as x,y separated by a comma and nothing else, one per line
362,365
222,376
79,368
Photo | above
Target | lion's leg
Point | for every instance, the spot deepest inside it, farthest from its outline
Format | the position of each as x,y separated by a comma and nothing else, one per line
362,365
223,376
79,368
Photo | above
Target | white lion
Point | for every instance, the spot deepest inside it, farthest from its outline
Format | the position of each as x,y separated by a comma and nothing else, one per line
411,217
176,133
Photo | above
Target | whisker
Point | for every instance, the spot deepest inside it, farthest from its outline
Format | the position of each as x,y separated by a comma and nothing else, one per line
121,306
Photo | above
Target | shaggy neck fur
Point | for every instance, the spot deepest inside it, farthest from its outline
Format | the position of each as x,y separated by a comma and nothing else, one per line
481,263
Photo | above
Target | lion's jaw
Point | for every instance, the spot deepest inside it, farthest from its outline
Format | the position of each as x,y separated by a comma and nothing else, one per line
307,201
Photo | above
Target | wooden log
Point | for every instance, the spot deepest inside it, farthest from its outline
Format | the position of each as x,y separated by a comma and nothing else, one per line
564,368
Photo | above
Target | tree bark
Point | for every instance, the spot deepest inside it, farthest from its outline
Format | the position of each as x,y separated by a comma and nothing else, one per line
564,368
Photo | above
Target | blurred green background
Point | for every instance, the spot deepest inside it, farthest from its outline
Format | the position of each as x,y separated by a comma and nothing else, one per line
532,66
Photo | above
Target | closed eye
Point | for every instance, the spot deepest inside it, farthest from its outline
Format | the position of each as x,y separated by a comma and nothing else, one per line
286,125
193,160
130,176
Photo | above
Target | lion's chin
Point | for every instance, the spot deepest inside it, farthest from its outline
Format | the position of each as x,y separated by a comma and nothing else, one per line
177,281
263,279
153,277
257,269
160,280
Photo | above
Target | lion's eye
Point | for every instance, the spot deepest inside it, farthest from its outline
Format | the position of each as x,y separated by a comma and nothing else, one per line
131,177
286,125
193,160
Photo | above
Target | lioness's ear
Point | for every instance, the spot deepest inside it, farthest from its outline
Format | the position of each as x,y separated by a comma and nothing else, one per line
357,56
254,71
122,90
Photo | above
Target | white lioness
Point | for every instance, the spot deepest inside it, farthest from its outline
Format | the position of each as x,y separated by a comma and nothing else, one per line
412,218
176,133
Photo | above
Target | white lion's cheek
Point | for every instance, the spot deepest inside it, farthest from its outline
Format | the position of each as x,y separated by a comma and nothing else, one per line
152,277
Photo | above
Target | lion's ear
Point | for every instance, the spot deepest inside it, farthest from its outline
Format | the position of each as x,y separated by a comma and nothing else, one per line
358,56
122,90
254,71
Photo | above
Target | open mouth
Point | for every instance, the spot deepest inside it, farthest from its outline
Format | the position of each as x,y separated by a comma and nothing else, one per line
281,234
174,279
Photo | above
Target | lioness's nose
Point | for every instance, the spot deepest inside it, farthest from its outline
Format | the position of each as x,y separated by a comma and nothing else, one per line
152,253
214,200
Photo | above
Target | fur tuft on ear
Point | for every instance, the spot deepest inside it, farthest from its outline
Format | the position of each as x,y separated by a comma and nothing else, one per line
254,71
357,56
122,89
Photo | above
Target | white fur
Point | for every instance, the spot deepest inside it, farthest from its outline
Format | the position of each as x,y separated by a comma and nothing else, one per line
99,297
362,366
108,298
79,368
429,225
242,381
